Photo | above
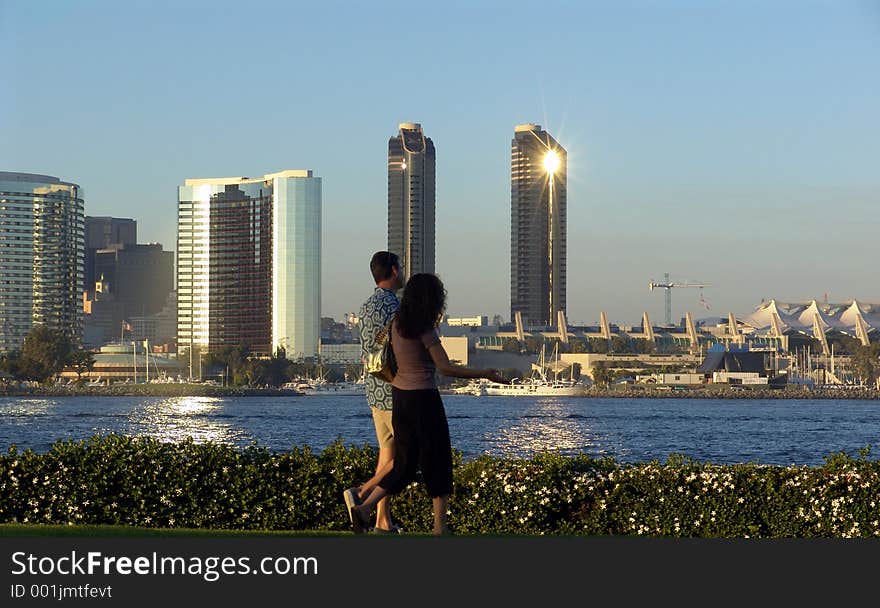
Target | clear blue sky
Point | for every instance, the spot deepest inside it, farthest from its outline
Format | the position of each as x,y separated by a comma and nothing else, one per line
734,143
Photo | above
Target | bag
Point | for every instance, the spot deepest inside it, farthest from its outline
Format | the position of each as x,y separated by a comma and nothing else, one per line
380,361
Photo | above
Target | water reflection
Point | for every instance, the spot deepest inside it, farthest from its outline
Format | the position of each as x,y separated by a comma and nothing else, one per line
177,418
548,425
27,407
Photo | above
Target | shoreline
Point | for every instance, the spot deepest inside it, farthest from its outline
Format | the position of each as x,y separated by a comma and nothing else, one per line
147,390
728,393
723,392
628,392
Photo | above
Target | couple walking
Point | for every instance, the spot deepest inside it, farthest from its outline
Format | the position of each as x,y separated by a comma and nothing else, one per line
408,413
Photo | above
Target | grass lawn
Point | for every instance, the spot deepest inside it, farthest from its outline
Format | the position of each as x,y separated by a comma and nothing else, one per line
31,530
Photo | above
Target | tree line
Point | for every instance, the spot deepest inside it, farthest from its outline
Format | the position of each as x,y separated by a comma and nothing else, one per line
44,353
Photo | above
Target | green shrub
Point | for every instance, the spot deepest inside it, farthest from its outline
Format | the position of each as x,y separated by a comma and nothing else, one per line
115,479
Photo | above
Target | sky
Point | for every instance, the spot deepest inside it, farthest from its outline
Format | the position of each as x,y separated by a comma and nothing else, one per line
730,143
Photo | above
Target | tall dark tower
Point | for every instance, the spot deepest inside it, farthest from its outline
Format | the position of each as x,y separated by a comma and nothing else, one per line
105,233
411,207
538,184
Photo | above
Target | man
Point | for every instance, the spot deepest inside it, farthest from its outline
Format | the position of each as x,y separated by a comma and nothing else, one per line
375,314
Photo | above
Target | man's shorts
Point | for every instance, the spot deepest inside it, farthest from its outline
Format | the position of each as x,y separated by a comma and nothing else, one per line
384,432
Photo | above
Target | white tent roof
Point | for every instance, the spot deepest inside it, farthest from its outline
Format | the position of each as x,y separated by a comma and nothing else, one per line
762,318
811,312
799,316
869,313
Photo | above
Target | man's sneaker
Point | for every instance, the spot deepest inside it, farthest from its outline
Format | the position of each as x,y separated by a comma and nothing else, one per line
351,500
357,524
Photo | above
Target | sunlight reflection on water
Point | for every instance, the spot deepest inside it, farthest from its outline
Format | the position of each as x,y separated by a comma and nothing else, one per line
28,407
176,418
548,425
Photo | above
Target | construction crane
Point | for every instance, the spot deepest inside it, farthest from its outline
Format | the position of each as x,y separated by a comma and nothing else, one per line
668,287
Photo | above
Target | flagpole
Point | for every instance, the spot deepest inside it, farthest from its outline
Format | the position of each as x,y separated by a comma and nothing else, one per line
147,359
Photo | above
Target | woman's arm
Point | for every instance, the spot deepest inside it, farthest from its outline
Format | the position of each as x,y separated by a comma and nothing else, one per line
445,367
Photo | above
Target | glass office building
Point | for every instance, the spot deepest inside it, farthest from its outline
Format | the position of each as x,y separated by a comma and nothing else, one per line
538,203
296,264
249,263
411,204
42,257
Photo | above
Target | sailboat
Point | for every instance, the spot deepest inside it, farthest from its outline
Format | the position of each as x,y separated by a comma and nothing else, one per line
539,384
320,386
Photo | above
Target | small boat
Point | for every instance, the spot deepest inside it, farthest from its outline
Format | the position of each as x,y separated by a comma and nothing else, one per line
320,386
474,387
339,389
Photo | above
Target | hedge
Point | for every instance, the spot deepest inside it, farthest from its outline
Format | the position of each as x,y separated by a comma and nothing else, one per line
140,481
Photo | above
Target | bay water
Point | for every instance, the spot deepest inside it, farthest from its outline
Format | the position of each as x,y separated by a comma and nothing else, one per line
775,431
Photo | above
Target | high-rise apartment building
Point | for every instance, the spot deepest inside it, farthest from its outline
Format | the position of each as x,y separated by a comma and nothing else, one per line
411,206
538,178
249,263
41,256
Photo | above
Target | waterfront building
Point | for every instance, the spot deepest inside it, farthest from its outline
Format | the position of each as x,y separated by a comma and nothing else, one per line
249,263
411,194
538,204
128,362
801,323
478,321
456,348
41,256
104,232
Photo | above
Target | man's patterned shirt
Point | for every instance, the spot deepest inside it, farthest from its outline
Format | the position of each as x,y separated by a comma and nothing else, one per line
374,315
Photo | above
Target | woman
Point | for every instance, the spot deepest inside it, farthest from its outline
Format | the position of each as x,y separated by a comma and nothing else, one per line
421,433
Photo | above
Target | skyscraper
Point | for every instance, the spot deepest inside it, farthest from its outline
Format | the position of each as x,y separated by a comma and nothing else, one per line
249,263
538,178
41,256
411,205
140,277
103,233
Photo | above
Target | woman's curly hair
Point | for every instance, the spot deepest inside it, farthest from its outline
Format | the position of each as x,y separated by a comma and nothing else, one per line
422,306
